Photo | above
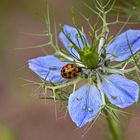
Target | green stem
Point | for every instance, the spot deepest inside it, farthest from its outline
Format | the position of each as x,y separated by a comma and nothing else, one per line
113,126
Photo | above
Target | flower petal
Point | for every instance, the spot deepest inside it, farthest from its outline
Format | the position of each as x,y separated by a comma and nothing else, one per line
72,33
120,91
120,46
84,104
48,68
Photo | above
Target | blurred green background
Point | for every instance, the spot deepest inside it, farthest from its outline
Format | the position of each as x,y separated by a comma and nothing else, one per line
22,115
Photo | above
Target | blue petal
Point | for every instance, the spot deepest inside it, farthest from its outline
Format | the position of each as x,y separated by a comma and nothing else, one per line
120,46
48,68
84,104
120,91
72,32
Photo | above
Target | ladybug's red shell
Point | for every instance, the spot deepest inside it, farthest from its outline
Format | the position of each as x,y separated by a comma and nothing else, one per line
70,71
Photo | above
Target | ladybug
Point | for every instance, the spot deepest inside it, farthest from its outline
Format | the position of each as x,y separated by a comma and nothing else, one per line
70,71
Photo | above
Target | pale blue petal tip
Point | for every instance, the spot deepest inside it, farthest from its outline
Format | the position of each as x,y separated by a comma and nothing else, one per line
48,68
72,33
120,46
84,105
120,91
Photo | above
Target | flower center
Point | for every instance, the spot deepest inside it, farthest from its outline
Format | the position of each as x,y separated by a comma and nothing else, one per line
89,57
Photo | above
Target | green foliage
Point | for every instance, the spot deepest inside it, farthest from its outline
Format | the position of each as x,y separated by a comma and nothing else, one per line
6,133
129,7
126,8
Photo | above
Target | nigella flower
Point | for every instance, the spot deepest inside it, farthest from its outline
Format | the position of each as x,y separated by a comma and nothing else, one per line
103,81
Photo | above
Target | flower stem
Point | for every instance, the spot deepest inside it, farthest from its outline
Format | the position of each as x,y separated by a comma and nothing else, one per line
113,126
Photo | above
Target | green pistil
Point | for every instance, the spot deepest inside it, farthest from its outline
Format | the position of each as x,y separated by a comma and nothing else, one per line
89,57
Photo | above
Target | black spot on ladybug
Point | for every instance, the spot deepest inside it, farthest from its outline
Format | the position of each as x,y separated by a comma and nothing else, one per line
69,72
74,74
69,77
64,74
63,70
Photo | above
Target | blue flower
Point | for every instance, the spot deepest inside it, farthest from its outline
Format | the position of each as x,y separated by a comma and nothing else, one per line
85,103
